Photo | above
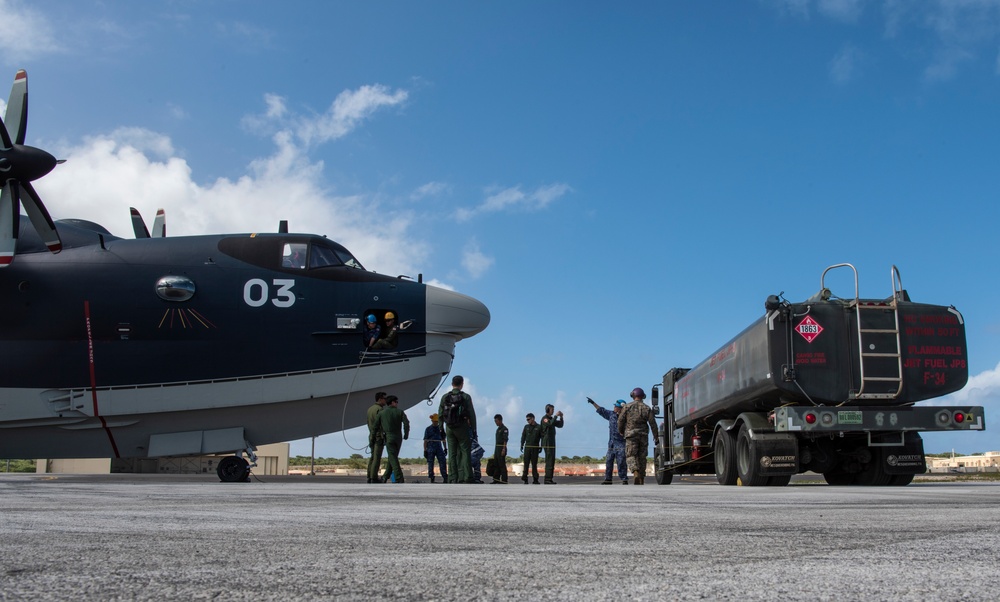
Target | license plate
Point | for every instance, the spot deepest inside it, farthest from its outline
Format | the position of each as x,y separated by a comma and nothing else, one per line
849,417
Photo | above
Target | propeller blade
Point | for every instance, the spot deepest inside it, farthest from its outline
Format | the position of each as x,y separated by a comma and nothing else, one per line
40,218
5,145
138,224
16,118
160,224
10,218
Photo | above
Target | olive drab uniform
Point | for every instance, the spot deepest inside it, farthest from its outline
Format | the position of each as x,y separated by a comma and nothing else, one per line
500,454
457,435
396,427
634,424
376,441
549,426
531,444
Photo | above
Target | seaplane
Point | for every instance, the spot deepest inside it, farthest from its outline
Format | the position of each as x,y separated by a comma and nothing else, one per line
154,346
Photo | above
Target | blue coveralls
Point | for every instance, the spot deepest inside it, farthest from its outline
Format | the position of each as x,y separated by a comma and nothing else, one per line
434,436
616,446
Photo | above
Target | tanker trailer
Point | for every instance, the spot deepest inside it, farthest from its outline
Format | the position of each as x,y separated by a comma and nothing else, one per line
827,385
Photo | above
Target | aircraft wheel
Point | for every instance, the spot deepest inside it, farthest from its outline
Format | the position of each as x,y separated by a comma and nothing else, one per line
900,480
748,460
233,469
724,452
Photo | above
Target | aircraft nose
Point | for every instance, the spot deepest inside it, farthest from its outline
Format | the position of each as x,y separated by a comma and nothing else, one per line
455,313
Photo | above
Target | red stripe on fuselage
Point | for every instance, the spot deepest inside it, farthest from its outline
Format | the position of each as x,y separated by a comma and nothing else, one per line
93,379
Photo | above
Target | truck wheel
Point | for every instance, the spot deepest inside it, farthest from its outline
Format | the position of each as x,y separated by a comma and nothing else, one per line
900,480
873,474
664,477
748,460
724,452
838,478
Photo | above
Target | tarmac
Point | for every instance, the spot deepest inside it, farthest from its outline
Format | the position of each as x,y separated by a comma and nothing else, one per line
173,537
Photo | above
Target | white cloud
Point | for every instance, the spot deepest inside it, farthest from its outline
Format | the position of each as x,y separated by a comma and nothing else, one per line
847,11
515,199
844,66
348,110
27,34
430,189
137,167
474,261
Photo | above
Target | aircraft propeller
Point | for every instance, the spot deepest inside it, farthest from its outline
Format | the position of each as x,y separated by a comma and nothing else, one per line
139,224
19,166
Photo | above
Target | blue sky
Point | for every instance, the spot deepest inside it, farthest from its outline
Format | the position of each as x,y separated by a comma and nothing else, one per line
623,186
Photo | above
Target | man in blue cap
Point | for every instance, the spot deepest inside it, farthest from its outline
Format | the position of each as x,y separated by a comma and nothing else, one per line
616,443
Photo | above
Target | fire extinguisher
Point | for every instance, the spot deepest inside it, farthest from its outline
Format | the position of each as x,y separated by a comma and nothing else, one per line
695,444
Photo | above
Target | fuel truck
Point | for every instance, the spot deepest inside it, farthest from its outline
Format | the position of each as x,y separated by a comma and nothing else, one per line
828,385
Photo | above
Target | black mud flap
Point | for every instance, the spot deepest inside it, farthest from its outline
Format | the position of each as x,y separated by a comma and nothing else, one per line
778,453
907,458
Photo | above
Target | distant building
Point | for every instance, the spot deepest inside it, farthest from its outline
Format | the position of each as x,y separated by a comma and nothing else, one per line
271,460
988,462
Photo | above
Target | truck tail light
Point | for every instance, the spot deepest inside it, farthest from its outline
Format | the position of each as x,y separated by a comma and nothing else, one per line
959,417
810,418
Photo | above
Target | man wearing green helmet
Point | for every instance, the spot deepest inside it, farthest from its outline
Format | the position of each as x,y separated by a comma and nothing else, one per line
634,423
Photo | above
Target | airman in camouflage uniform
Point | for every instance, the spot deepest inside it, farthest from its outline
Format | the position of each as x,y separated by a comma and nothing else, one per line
396,427
376,438
634,423
551,421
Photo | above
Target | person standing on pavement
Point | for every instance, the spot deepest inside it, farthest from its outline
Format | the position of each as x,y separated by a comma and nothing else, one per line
376,439
434,449
551,421
396,427
531,444
616,443
500,451
459,416
634,423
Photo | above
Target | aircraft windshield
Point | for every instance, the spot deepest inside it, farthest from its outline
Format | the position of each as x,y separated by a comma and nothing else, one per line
323,256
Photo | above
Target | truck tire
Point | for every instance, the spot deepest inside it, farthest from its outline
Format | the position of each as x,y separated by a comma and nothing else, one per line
664,477
724,452
748,460
873,474
838,478
900,480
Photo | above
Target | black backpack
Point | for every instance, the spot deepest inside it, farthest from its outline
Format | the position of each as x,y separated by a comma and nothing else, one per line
453,409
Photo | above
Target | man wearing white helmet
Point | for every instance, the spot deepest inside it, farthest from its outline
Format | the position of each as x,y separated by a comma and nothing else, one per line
634,423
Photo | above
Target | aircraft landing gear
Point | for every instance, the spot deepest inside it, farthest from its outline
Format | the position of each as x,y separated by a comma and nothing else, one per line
234,469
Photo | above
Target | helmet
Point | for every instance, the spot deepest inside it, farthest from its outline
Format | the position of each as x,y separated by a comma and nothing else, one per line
371,318
390,316
638,392
620,403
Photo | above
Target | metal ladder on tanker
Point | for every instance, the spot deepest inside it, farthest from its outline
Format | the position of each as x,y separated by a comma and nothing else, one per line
880,358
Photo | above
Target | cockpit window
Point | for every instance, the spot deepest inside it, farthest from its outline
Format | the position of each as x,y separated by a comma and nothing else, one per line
349,259
323,257
293,255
